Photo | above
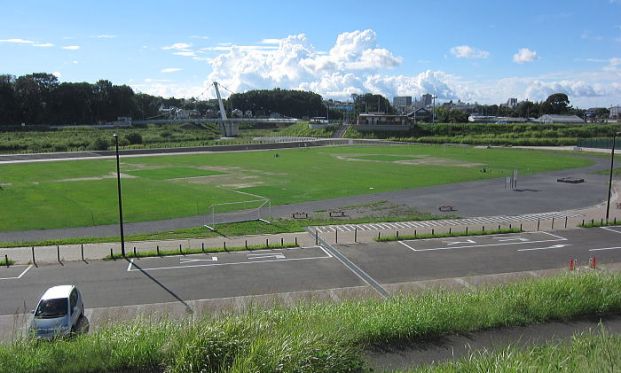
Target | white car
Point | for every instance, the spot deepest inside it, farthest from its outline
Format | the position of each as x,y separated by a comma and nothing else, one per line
58,312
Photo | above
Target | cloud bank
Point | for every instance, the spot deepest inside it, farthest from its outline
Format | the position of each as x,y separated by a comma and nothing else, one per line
356,63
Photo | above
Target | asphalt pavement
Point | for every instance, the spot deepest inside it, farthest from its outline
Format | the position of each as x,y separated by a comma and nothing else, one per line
403,266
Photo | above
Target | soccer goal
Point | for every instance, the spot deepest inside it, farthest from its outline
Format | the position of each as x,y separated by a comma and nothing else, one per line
228,212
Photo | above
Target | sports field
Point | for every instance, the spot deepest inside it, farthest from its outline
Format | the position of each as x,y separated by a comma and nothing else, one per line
73,193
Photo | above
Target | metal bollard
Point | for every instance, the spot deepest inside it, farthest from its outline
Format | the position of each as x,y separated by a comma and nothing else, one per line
379,235
6,260
112,254
282,242
450,231
336,236
538,223
58,253
466,231
246,244
316,237
483,229
296,241
356,234
498,226
180,250
521,227
510,226
158,250
224,245
34,261
203,247
433,232
397,235
552,223
81,251
414,233
565,222
267,243
135,252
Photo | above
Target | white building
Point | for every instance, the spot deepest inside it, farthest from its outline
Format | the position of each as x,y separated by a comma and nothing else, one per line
556,118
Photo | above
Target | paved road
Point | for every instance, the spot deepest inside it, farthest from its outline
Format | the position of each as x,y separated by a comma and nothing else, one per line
181,279
539,193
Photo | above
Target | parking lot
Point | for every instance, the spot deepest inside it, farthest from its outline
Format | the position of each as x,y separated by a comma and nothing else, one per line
375,266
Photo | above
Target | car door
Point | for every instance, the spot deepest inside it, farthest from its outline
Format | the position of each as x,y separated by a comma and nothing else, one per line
73,306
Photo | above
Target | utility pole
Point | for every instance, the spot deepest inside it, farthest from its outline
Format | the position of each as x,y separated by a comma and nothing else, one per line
118,184
433,118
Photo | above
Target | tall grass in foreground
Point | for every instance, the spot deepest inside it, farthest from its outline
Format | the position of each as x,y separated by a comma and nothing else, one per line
587,352
315,337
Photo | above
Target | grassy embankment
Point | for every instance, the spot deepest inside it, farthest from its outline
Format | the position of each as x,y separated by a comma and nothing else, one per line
142,253
83,192
534,134
419,236
150,136
318,337
594,352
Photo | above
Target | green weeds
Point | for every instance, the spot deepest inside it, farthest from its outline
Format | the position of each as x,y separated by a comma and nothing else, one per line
316,337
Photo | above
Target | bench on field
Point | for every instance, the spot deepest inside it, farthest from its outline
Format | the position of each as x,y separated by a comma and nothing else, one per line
337,214
447,208
300,215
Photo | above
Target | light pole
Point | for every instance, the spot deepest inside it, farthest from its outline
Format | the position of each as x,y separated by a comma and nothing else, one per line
612,162
118,184
433,117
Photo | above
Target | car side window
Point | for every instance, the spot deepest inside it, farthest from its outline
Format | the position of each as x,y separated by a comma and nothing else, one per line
73,299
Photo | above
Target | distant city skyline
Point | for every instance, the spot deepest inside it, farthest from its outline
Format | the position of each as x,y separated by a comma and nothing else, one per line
473,51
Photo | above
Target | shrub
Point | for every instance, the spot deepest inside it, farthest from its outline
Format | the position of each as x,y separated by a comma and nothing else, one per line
99,144
134,138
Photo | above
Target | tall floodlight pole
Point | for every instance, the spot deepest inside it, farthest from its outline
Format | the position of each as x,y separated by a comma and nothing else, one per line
612,162
433,117
118,184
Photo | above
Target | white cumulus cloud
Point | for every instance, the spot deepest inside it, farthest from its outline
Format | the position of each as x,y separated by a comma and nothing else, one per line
178,46
466,51
16,41
524,55
170,70
71,47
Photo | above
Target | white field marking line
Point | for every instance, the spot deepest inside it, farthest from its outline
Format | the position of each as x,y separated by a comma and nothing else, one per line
129,267
611,228
546,248
17,277
327,256
406,245
276,257
606,248
553,235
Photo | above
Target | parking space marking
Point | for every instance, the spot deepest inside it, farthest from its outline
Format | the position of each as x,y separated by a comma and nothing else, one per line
606,248
406,245
499,243
612,228
278,258
546,248
20,275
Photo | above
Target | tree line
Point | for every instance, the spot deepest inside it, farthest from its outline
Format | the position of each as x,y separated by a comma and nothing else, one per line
40,99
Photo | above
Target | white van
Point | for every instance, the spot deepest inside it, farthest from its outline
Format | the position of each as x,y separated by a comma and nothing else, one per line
58,312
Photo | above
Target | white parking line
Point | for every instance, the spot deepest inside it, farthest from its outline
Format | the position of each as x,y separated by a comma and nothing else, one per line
406,245
276,260
20,275
612,229
556,238
606,248
545,248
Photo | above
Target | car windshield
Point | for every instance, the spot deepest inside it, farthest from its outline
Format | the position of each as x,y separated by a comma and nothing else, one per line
52,308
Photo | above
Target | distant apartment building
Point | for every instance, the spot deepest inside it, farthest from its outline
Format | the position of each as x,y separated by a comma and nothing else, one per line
402,103
426,100
512,102
615,112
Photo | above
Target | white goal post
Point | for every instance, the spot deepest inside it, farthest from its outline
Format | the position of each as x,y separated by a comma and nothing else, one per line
249,210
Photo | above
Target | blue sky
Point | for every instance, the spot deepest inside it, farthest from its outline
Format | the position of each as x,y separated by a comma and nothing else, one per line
484,51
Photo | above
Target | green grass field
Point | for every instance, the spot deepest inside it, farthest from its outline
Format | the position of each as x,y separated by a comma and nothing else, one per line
60,194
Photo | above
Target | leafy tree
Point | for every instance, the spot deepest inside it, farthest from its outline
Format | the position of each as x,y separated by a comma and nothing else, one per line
557,103
8,100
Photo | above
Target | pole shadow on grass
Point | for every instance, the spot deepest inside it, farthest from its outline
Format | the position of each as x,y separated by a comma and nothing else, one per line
188,309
